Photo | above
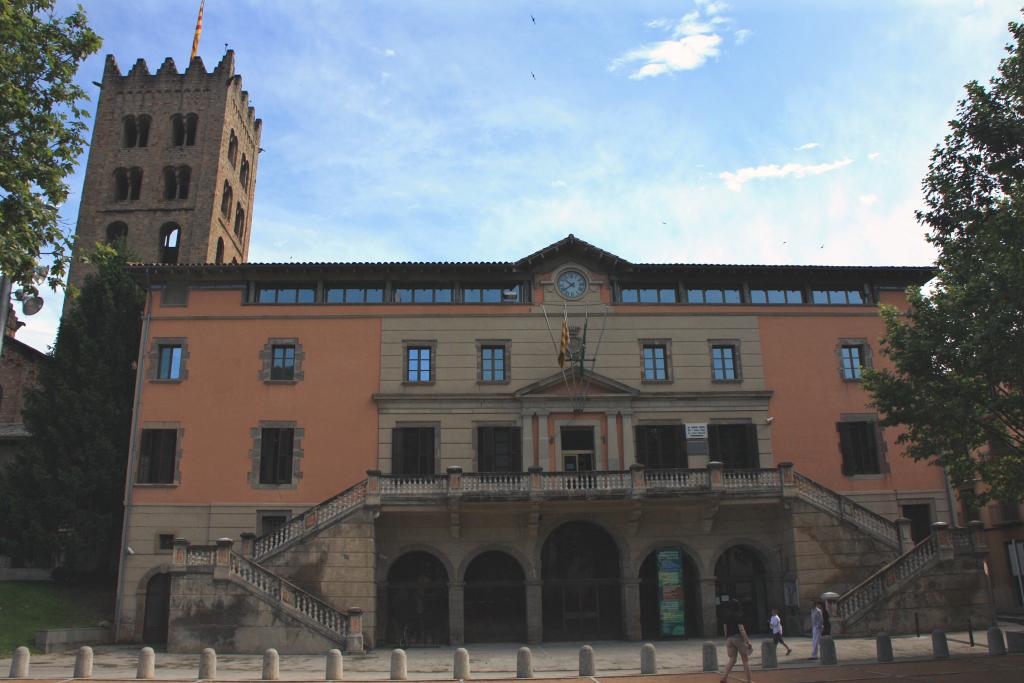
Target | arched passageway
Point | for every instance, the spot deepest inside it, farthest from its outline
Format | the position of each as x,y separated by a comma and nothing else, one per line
158,610
494,599
668,609
740,576
417,600
581,596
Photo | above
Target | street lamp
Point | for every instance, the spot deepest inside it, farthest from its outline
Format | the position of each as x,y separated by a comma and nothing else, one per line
30,303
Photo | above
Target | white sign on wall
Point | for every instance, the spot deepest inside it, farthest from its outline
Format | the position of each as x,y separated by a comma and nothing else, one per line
696,430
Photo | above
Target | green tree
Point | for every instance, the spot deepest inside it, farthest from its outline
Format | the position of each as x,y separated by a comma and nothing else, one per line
958,353
43,131
62,497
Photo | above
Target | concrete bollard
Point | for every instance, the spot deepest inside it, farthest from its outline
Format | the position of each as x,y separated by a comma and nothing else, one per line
271,665
1015,642
940,648
334,669
460,667
207,664
710,656
399,665
586,661
524,663
828,651
769,656
996,643
83,662
648,659
19,665
146,668
883,647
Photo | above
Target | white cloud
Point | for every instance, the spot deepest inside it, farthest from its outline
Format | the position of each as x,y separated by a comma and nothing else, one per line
869,199
735,180
713,6
741,35
659,23
874,155
807,145
389,52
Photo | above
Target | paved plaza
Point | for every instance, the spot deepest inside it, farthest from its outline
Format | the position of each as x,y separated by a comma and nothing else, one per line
560,660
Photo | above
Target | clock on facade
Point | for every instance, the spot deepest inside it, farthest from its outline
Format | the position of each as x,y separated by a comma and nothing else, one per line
572,284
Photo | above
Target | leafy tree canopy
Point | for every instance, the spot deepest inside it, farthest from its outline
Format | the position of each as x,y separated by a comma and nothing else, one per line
61,499
958,380
41,131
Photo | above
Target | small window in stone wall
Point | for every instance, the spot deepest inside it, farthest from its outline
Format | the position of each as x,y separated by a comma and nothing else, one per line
165,542
281,361
167,360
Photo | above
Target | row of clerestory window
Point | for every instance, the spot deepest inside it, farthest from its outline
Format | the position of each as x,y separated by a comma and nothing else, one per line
226,200
135,130
169,244
672,293
128,183
243,168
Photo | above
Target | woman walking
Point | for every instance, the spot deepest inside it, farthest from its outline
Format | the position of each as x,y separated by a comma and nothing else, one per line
736,640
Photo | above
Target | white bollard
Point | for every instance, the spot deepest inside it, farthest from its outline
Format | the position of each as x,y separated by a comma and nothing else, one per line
710,655
146,668
399,665
524,663
648,659
335,667
19,665
940,648
83,662
586,661
460,665
996,642
271,665
207,664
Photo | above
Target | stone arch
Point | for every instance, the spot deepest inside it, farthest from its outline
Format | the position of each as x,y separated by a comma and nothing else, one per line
528,567
763,553
625,560
385,568
416,599
494,598
741,574
170,242
140,594
118,230
647,572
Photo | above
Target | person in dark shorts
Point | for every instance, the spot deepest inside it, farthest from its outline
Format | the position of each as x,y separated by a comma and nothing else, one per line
776,625
736,640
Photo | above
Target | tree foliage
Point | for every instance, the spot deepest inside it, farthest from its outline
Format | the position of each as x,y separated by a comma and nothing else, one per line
41,131
958,382
61,499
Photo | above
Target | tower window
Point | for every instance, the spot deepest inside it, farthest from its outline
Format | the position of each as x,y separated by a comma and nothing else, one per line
134,183
239,221
116,231
226,198
129,132
243,172
191,125
220,251
121,184
169,237
233,148
183,130
184,180
176,182
142,124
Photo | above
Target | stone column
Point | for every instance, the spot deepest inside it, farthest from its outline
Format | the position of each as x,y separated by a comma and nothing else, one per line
631,609
248,544
534,613
222,559
715,470
903,528
373,488
542,440
628,445
354,636
614,456
709,610
454,481
456,630
527,440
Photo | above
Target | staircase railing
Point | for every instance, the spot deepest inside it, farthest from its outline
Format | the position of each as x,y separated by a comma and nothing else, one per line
844,508
876,586
310,520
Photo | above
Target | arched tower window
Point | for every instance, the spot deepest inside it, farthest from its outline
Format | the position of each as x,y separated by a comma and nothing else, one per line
116,231
134,182
220,251
243,172
226,198
184,181
177,130
170,235
233,148
121,184
239,220
170,183
129,132
191,126
142,124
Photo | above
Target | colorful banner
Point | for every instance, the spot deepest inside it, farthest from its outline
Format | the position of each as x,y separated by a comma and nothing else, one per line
671,602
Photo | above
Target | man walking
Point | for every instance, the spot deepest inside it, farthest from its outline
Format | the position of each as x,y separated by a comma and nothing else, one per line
817,622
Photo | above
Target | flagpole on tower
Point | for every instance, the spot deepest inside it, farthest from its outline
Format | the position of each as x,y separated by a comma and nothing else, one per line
199,32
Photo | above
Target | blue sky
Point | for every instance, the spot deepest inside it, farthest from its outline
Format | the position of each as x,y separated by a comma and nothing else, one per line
746,131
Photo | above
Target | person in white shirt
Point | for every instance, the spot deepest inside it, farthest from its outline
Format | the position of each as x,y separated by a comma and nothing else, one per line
776,624
817,622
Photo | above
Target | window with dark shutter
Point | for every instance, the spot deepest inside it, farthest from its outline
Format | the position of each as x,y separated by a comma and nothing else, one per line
734,445
499,449
156,457
661,446
412,450
858,443
276,455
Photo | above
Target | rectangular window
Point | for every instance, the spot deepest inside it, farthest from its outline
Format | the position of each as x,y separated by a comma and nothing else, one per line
852,356
492,363
920,516
776,296
417,363
165,541
492,295
649,294
655,365
354,294
714,296
498,449
858,443
276,445
734,445
291,294
270,522
170,362
423,295
282,362
412,450
661,446
157,454
837,296
723,363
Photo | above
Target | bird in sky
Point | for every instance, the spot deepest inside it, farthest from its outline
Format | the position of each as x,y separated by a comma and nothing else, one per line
532,19
534,77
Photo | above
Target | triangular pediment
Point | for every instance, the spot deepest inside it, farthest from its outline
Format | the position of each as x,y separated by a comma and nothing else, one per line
573,249
575,382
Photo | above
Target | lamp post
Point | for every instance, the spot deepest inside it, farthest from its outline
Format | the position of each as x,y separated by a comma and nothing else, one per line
30,303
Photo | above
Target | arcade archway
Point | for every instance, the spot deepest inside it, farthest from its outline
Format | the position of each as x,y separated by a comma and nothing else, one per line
653,593
417,600
581,595
495,599
740,576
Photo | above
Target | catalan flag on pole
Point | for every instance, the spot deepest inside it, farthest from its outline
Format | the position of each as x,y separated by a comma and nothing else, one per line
199,32
563,347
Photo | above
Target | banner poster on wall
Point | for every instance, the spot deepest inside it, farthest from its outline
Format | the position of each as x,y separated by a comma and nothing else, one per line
670,592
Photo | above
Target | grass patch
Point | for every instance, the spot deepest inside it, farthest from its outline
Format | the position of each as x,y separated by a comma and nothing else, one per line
30,606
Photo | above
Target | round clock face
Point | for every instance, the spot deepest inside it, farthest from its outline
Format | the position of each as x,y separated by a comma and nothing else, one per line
572,284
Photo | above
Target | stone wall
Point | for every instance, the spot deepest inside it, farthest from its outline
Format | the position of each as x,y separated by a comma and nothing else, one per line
227,617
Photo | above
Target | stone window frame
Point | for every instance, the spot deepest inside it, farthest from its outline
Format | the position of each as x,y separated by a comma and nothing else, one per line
177,454
271,512
737,355
414,344
884,468
153,360
511,424
505,344
256,434
267,360
669,374
420,424
157,550
866,359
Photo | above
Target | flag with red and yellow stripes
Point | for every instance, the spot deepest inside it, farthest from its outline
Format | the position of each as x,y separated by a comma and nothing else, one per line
199,32
563,347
